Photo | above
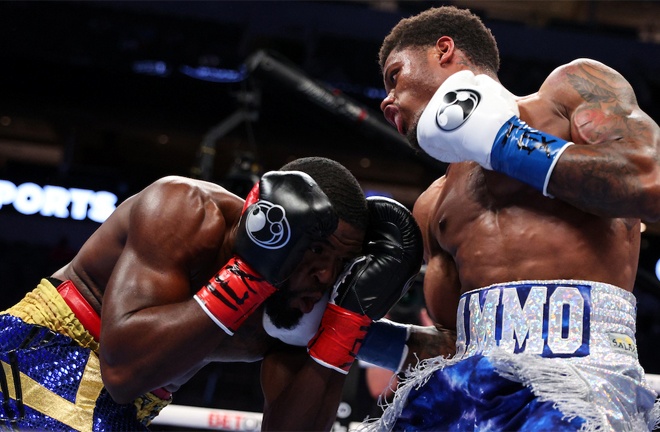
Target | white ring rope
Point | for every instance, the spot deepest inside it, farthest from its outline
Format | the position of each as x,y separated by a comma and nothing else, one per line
208,418
229,420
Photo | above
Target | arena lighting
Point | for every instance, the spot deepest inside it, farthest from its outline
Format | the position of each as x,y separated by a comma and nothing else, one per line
371,192
206,73
56,201
151,67
657,269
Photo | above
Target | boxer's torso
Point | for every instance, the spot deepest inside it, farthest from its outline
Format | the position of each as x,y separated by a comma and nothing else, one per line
498,229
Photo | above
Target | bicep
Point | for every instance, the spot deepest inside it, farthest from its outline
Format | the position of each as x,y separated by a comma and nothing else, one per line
137,284
153,268
618,164
604,107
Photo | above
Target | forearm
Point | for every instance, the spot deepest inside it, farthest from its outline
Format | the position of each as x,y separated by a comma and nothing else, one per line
308,400
143,351
614,180
427,342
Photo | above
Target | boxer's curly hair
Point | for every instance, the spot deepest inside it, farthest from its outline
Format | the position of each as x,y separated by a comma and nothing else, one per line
424,29
339,184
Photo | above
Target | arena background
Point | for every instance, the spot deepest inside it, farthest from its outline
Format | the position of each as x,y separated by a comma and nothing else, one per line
109,96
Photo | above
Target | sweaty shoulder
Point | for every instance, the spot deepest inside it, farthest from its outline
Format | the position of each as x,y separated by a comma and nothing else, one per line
590,94
178,215
583,80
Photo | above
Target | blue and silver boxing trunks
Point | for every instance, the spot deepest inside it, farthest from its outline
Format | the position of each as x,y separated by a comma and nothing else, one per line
50,376
556,355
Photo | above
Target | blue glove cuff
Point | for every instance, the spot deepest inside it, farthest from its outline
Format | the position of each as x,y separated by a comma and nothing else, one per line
385,345
526,154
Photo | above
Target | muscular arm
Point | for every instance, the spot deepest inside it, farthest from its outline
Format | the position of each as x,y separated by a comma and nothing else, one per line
431,341
441,283
299,393
153,332
618,174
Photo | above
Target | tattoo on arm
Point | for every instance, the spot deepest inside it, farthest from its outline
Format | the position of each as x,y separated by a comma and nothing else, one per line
607,176
591,88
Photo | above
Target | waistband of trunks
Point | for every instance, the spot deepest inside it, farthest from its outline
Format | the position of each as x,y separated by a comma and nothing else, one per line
548,317
44,306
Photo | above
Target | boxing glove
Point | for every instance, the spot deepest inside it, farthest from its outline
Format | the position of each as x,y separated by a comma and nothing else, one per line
283,214
370,285
474,118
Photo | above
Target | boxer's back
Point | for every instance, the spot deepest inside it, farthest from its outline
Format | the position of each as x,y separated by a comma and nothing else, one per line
173,206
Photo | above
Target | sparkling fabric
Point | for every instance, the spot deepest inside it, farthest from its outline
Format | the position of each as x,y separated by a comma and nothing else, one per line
532,355
479,399
50,377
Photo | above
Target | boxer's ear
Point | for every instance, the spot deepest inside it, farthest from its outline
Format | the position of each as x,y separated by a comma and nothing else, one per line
444,49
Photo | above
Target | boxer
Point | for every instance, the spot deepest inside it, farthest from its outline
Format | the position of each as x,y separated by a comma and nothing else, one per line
185,273
531,238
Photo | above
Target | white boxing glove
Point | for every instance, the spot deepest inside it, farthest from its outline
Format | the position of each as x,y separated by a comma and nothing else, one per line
475,118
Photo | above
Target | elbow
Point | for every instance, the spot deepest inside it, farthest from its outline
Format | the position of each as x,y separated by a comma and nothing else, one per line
120,385
652,211
650,207
648,189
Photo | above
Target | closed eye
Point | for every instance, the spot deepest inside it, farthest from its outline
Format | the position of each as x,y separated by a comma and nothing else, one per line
316,248
391,77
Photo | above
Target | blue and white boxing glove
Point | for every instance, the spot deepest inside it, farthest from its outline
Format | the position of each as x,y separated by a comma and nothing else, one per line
474,118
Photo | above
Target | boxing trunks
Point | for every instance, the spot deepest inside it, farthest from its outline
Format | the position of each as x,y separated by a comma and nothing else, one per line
51,376
532,356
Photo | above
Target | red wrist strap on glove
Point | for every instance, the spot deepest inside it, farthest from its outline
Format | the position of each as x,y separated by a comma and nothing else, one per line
233,294
339,338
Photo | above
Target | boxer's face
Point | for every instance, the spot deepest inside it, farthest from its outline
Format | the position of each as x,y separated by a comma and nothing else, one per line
315,275
411,76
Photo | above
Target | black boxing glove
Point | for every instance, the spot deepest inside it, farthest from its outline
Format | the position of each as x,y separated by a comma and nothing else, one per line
370,285
283,215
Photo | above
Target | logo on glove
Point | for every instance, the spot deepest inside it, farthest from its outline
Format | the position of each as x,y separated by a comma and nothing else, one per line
456,108
267,226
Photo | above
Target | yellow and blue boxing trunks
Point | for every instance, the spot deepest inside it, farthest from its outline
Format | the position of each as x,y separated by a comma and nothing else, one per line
51,377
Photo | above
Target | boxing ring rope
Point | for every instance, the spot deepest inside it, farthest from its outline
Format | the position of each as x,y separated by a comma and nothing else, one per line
218,419
208,418
243,421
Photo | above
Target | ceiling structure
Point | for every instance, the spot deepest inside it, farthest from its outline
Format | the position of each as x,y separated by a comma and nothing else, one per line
121,93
